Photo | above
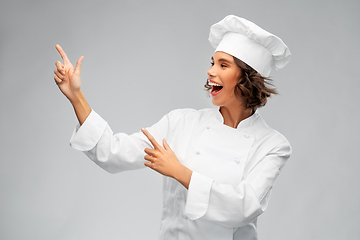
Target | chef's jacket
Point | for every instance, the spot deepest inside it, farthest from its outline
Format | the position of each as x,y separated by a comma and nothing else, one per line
234,169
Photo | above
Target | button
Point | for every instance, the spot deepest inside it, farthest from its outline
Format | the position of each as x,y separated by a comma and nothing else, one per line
197,152
208,126
246,135
237,160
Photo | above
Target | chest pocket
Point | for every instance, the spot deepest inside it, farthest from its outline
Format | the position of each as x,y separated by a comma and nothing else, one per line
220,153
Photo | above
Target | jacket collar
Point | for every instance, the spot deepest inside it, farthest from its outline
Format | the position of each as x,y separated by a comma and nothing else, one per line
246,123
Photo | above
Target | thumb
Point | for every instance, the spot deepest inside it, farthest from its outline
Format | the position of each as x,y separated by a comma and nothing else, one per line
166,145
78,65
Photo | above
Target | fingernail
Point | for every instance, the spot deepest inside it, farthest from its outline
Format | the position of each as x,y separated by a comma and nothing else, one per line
62,72
143,129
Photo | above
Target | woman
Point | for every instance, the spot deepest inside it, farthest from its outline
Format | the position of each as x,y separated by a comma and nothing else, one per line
219,164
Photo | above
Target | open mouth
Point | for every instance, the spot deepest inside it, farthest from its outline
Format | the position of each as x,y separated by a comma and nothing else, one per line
215,87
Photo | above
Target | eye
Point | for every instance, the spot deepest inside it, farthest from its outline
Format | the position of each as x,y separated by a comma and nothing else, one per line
223,65
212,63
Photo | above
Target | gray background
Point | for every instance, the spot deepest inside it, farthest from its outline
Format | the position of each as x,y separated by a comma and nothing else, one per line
143,59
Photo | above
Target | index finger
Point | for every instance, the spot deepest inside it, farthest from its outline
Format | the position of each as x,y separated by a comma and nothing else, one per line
62,54
151,138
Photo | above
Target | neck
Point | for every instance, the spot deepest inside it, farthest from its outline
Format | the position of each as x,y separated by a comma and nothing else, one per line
233,116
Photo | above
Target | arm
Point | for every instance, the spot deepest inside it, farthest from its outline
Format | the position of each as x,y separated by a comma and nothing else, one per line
234,207
112,152
228,205
115,152
69,82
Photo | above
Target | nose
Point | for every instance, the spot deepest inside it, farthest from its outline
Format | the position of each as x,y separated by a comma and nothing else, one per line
211,72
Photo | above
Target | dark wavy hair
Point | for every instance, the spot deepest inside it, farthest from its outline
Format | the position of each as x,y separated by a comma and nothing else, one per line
252,88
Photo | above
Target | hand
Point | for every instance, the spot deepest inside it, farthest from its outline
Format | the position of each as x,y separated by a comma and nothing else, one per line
164,161
161,159
66,77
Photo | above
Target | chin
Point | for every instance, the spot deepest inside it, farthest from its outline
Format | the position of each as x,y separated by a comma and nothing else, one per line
216,103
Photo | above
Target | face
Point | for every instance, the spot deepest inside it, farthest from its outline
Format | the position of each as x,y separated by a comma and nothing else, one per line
223,76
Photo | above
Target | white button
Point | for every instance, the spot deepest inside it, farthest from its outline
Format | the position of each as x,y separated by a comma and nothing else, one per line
237,160
208,126
197,152
246,135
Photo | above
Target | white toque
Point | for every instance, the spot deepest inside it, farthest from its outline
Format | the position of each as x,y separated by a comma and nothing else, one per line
248,42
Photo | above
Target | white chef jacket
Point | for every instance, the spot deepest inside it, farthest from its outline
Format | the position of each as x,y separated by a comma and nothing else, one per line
234,169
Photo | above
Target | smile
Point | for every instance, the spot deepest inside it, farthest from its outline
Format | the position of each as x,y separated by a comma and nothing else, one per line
216,88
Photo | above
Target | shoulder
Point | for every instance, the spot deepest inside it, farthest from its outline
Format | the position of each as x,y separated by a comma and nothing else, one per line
268,136
268,145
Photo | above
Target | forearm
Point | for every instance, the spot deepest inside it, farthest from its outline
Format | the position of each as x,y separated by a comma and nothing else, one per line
221,203
81,107
235,206
183,176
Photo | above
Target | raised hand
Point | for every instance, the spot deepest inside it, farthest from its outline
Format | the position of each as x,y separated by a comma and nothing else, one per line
164,161
66,76
68,79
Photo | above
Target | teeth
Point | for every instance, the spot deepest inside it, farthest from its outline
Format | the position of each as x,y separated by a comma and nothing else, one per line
213,83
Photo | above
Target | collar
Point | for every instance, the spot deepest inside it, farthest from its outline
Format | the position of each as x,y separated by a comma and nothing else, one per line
246,123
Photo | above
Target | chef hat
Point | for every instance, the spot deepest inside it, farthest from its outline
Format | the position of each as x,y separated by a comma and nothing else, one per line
246,41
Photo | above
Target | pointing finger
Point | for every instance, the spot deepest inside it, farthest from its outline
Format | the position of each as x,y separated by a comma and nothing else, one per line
151,138
62,54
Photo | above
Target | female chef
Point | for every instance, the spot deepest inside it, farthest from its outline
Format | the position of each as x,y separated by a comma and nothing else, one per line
219,165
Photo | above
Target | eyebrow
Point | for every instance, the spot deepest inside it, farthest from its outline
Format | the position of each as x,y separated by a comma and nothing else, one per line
222,60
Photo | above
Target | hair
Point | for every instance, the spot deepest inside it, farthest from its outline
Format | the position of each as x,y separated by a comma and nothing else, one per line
252,88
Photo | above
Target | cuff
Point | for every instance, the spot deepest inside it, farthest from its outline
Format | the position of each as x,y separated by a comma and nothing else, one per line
86,136
197,201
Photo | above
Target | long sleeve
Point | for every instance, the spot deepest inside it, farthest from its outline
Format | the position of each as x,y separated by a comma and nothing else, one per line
234,207
233,169
114,152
